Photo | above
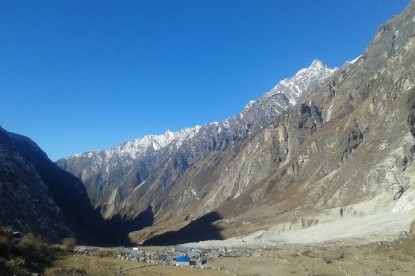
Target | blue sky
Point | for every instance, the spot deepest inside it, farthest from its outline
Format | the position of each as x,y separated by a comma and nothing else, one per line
83,75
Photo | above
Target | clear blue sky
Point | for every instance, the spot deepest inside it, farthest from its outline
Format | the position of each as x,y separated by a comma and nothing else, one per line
83,75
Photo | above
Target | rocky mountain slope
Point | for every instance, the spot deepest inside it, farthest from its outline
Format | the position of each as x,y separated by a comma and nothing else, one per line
140,173
24,196
349,141
351,144
38,197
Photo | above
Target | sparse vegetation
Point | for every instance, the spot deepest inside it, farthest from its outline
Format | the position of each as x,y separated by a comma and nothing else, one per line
333,258
32,246
69,244
106,253
30,255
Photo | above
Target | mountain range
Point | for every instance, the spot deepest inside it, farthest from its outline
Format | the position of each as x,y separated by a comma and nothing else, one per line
322,140
151,167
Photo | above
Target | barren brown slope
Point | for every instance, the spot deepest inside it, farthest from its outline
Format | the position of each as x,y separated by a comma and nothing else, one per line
363,150
350,142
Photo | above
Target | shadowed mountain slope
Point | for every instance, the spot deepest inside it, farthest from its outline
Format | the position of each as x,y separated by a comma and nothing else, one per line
37,196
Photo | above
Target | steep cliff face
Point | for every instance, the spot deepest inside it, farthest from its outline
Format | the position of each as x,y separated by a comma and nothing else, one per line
350,144
148,171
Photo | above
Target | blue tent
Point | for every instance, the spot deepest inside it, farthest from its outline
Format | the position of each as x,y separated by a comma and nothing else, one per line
183,259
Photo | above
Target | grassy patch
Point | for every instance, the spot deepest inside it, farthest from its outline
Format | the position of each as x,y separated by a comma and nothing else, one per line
31,255
68,244
102,253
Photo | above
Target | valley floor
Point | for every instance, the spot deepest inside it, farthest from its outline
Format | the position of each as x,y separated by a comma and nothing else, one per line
380,258
353,244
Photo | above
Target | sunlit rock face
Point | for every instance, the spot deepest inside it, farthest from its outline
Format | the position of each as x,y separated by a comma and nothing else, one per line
323,139
131,176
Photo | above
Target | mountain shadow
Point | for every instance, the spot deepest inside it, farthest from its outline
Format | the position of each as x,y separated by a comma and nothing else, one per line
201,229
119,227
67,191
70,195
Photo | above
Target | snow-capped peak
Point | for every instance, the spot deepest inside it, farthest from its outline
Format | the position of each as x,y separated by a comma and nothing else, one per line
263,110
287,92
317,64
137,147
169,133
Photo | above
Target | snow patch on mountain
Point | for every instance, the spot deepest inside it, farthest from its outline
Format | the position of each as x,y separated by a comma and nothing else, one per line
287,92
258,112
137,148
